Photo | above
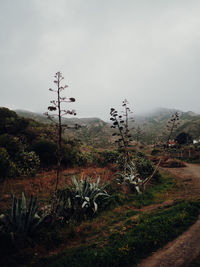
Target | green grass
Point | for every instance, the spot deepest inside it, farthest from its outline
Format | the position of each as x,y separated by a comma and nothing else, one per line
153,194
151,232
109,220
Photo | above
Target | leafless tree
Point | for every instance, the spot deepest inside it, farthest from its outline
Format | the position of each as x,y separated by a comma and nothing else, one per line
55,114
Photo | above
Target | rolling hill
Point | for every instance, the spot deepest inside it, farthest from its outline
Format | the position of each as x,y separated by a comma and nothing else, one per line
145,128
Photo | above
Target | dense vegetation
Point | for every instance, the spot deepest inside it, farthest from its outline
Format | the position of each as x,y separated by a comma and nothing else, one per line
48,220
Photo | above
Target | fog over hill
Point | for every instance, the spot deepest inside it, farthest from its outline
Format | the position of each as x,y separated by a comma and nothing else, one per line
146,127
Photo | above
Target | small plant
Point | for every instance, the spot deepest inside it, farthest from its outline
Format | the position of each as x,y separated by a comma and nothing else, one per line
63,205
24,217
86,194
80,199
131,178
138,175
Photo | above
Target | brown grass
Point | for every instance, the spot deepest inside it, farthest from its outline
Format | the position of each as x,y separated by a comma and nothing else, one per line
43,184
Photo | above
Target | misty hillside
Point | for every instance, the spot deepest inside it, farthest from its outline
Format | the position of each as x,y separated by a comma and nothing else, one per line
91,131
154,123
146,127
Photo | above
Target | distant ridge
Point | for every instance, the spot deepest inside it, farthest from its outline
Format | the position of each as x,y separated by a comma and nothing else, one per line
153,124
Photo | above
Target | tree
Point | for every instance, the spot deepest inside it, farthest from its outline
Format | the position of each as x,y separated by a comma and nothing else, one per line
11,123
56,117
184,138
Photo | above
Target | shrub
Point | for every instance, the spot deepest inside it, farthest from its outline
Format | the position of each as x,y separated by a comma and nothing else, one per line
27,163
46,150
85,159
81,199
70,154
5,164
145,167
107,156
11,144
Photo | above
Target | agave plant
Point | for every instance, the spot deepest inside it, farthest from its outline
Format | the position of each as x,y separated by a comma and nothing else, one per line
131,178
86,193
63,206
24,216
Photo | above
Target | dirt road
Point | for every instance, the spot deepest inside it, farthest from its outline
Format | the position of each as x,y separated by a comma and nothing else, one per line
184,249
188,181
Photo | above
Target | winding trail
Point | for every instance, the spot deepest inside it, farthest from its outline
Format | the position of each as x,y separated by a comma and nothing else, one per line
184,249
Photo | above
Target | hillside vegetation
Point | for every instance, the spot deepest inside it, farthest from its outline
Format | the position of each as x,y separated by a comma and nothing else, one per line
96,132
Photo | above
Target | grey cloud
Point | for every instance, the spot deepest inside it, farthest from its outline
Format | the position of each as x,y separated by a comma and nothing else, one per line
146,51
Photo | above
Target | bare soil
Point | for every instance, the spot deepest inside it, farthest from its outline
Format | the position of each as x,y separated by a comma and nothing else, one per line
184,249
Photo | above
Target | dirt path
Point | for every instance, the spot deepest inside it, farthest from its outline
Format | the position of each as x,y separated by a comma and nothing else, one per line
188,180
186,247
179,252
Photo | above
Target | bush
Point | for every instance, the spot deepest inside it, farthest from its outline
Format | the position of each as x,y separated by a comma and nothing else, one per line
46,150
83,198
11,123
27,163
11,144
145,167
85,159
70,155
5,164
107,156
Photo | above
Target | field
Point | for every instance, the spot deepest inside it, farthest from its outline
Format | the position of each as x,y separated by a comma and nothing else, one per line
130,227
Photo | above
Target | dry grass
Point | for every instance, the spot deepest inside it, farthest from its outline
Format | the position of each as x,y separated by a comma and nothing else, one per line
44,183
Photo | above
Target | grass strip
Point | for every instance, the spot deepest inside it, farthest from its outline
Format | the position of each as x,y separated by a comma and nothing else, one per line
125,248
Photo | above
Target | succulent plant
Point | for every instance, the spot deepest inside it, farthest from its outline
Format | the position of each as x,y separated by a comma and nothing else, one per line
87,193
131,178
24,217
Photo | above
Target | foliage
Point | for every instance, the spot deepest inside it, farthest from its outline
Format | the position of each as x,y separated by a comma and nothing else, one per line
85,159
11,144
81,199
23,218
131,178
105,157
11,123
46,150
71,153
27,163
87,193
6,165
145,167
184,138
138,172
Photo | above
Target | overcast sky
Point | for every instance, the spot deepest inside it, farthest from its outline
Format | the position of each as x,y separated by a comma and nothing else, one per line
147,51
